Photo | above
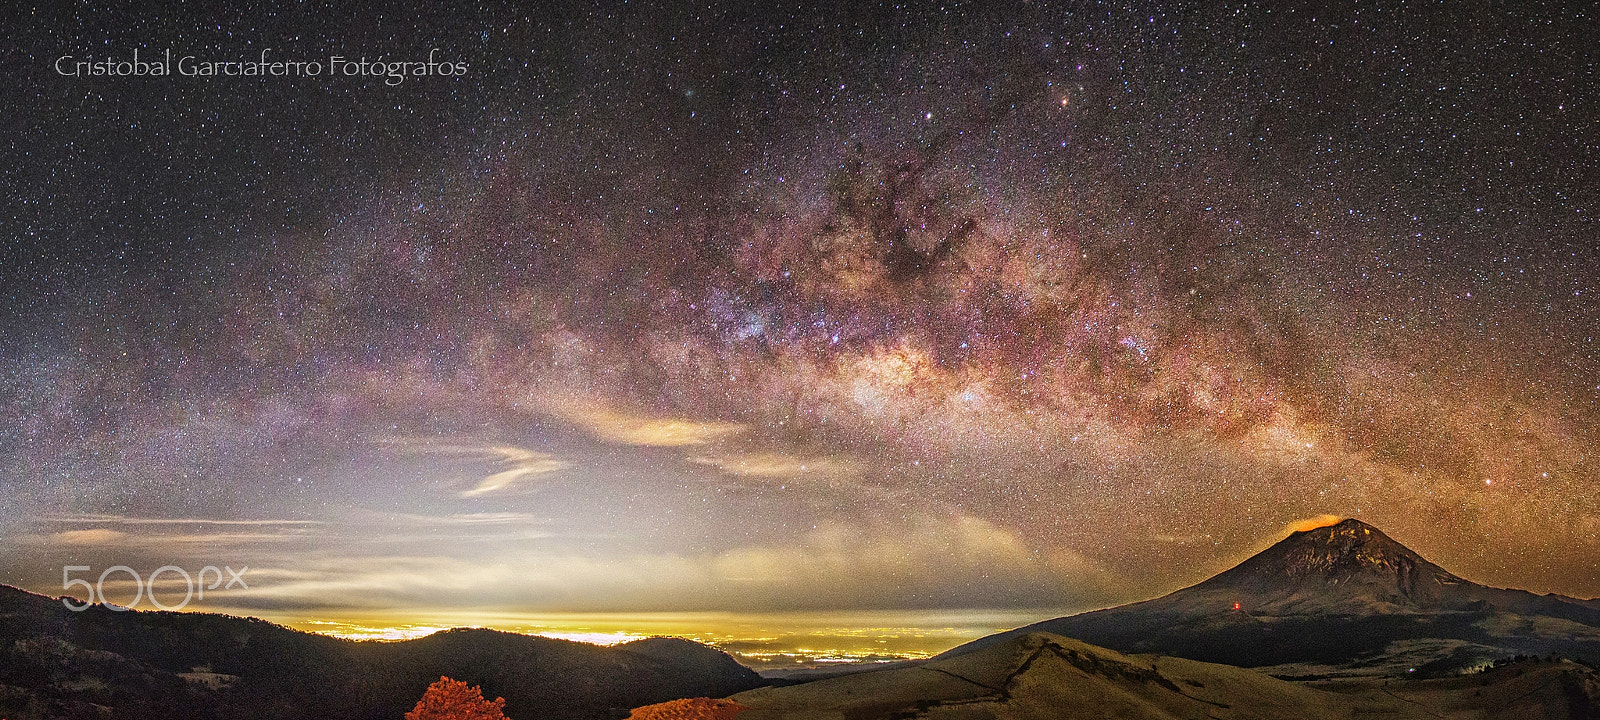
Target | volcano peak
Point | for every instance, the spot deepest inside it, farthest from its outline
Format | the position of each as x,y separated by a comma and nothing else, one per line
1346,546
1344,543
1349,560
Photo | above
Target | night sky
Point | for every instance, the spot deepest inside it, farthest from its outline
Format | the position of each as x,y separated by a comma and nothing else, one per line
757,310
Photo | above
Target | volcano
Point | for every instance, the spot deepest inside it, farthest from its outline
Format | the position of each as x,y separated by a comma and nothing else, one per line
1345,599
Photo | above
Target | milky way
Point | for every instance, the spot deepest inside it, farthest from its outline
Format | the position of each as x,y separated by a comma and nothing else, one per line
723,311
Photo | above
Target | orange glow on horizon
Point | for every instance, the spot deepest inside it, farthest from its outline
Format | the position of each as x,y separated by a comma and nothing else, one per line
760,640
1308,524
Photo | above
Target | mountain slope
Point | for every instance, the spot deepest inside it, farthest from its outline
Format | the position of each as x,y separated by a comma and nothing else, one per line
1043,675
1343,599
1039,675
55,663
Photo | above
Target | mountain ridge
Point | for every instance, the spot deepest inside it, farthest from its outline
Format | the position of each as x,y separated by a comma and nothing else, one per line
155,664
1345,598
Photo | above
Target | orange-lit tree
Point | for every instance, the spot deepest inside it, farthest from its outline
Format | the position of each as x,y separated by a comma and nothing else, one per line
454,700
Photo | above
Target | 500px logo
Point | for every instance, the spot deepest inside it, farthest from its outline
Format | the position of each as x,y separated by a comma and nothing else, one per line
194,587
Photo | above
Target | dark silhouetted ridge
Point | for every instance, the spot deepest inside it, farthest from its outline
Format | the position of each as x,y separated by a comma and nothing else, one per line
139,665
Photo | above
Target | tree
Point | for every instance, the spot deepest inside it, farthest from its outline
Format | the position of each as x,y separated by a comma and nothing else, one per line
453,700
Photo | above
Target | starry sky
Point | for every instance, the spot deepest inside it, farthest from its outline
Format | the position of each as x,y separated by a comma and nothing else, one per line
726,309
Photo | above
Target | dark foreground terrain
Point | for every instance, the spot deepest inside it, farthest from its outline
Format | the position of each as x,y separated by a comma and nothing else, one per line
132,665
1039,675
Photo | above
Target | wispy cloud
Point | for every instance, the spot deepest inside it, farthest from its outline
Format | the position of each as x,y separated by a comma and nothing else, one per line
97,536
472,519
523,464
626,428
923,561
122,520
164,541
774,465
519,463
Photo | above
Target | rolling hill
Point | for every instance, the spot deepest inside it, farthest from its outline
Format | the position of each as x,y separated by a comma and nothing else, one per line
1040,675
